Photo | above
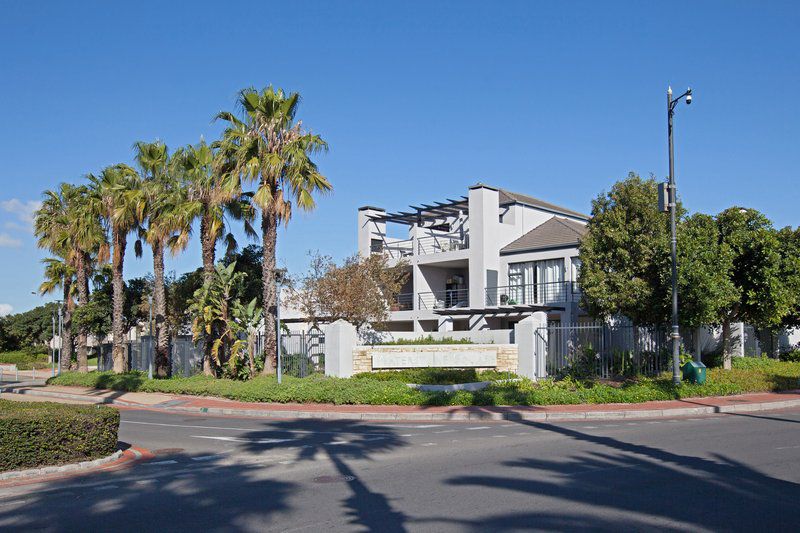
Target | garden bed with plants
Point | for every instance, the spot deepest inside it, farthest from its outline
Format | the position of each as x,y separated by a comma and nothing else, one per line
748,375
45,434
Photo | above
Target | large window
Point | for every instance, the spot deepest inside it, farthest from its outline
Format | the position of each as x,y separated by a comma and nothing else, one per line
536,282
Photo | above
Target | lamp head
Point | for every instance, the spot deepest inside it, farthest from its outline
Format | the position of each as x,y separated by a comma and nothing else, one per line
689,96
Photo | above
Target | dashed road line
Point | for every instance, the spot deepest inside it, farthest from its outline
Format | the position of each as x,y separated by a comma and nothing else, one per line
478,427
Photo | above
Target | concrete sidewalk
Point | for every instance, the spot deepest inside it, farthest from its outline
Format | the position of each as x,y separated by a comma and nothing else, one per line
197,404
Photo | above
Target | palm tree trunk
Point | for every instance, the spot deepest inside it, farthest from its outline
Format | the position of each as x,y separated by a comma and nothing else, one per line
161,363
269,230
208,244
66,329
118,285
83,299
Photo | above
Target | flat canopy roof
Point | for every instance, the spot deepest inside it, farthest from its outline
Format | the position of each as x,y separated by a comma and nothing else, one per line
501,310
450,208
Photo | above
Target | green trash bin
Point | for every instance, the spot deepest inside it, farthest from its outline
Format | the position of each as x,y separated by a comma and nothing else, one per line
694,372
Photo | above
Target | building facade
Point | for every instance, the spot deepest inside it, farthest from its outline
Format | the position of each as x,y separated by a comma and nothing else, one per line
482,261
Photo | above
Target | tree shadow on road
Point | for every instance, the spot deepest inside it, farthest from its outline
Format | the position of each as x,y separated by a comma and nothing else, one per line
633,486
341,442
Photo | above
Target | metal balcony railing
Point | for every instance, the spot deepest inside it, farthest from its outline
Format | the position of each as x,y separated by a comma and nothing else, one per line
396,249
443,299
435,244
403,302
528,294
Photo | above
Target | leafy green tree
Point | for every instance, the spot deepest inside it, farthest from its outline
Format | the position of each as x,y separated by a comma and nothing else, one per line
764,298
31,329
268,146
789,243
626,254
114,197
705,265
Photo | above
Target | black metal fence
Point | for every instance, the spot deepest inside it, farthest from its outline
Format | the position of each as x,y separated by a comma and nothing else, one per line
185,354
302,353
604,350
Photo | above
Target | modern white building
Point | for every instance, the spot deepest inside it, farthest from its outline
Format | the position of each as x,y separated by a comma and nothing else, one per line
482,261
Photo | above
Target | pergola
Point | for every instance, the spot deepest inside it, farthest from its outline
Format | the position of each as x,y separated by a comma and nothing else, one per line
423,212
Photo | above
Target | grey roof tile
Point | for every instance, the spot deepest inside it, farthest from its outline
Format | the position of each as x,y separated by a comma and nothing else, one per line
554,232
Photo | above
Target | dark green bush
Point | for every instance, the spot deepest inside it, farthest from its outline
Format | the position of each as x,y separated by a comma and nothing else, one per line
792,356
41,434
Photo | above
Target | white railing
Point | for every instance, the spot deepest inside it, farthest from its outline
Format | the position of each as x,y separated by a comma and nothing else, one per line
442,243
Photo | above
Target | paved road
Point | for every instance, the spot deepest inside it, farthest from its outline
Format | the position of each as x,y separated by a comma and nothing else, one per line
725,472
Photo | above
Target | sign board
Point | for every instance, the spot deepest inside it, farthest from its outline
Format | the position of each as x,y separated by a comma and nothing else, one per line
431,358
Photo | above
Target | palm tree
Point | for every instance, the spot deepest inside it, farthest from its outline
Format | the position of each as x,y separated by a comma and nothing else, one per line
116,198
169,218
215,196
266,145
66,226
59,274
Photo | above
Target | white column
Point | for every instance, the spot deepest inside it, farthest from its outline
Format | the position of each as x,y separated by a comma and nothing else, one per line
484,241
340,339
530,335
368,229
445,323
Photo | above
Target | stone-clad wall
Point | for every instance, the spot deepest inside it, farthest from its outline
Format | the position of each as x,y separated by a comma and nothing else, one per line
418,356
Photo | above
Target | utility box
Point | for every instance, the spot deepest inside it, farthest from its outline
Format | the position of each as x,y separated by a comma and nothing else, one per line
666,197
694,372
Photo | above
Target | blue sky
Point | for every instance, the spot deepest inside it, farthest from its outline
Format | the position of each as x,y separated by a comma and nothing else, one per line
417,101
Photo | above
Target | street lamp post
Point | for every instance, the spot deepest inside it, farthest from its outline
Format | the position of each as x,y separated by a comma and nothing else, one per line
60,333
673,201
150,327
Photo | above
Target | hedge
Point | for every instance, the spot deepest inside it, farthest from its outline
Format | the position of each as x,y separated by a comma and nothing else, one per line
24,359
749,375
34,434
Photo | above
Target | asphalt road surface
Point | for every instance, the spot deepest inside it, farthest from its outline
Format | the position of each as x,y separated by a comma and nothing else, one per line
716,473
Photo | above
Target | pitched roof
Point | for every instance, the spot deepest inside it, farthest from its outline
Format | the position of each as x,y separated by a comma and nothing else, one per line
508,197
552,233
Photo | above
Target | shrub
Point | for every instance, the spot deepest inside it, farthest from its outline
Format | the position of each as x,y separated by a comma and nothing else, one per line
41,434
25,359
792,356
389,388
436,376
422,341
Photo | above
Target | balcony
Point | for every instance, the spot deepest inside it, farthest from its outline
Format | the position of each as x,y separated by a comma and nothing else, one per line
443,299
529,294
403,302
434,244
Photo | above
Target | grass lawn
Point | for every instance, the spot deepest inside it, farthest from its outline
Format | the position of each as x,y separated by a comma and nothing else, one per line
749,375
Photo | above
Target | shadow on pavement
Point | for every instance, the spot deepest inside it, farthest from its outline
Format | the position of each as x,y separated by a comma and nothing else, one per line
223,494
634,486
365,507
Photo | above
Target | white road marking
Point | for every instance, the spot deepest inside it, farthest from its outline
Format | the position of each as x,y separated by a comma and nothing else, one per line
787,447
428,444
205,458
167,462
241,439
589,427
499,436
418,426
303,431
446,431
478,427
